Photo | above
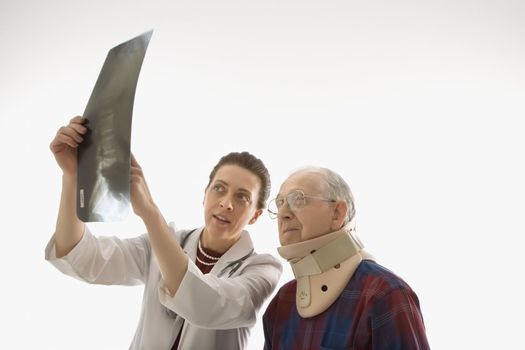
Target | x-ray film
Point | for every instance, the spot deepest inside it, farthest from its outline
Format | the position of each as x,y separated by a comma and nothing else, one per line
104,156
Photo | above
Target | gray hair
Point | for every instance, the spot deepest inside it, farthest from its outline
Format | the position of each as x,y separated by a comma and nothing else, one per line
334,186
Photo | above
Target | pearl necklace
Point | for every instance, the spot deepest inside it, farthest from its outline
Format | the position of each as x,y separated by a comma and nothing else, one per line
206,255
205,263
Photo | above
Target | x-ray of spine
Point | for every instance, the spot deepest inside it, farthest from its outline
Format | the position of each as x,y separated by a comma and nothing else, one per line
104,156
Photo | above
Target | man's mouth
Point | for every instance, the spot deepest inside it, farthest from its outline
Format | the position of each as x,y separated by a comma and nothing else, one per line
289,230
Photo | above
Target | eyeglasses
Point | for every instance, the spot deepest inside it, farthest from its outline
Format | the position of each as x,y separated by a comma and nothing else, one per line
296,200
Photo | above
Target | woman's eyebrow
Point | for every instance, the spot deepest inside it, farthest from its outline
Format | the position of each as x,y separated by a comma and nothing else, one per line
245,190
226,184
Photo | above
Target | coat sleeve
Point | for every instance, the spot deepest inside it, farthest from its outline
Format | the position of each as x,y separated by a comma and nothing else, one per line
208,301
104,260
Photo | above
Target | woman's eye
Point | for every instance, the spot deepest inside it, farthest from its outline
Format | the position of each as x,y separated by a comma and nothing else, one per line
243,197
218,188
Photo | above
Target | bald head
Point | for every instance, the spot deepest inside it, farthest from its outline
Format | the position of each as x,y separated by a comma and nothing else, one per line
309,206
334,186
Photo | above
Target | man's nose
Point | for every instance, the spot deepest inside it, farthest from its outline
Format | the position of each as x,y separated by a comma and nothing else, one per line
284,212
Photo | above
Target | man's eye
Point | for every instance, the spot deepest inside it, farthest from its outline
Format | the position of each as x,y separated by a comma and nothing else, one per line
296,198
279,202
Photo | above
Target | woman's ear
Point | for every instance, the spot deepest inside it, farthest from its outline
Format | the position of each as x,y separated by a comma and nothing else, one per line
256,215
338,219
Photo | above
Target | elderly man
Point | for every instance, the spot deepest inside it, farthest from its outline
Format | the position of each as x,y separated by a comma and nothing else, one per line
341,298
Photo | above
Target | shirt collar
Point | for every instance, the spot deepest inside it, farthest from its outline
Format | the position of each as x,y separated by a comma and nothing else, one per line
231,259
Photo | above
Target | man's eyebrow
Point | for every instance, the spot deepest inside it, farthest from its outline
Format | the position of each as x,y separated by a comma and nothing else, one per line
291,191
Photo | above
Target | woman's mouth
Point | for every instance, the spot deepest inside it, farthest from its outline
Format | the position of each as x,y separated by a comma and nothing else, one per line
221,219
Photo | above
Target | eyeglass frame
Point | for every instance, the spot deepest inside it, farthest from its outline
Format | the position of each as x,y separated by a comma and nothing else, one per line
274,216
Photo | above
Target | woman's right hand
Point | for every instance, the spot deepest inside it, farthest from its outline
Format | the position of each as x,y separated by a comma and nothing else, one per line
64,145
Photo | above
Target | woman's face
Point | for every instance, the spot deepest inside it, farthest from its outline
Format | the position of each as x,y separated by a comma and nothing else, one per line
230,201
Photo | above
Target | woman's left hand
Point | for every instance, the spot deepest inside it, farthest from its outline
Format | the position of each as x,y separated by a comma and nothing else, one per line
141,199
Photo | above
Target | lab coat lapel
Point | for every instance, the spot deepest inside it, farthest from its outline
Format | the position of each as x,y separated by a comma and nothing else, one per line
191,244
239,250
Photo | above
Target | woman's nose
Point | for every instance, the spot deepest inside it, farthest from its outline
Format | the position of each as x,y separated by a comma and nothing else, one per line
226,203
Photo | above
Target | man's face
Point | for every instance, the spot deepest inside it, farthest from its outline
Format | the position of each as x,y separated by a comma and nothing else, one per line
314,219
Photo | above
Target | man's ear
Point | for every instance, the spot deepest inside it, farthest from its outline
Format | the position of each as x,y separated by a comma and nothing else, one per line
256,215
338,219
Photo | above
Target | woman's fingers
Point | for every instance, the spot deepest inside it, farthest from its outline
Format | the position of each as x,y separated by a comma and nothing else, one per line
65,143
62,139
137,176
136,171
134,161
141,199
70,135
75,128
77,119
79,128
69,131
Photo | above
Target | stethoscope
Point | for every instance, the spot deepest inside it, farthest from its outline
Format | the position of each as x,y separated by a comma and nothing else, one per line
232,265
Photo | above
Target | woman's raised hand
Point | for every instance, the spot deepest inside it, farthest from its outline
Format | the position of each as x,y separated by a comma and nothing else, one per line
141,199
64,145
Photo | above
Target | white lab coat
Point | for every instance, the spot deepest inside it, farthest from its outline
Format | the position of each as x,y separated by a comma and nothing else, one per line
218,310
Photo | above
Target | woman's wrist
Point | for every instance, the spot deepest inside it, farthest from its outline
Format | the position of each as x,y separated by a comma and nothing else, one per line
69,178
151,215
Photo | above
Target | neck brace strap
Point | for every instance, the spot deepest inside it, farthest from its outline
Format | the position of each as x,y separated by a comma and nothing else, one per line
321,260
323,266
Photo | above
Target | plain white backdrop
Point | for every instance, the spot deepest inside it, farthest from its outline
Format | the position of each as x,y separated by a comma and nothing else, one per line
419,105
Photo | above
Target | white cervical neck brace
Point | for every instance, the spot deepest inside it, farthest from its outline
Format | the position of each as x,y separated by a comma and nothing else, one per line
323,266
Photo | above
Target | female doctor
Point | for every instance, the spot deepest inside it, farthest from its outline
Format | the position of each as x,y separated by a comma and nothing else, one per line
203,287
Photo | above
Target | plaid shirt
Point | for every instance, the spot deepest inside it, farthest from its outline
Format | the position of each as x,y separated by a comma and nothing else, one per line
376,310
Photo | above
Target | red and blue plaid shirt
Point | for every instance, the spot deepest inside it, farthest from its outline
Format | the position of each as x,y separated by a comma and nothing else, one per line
376,310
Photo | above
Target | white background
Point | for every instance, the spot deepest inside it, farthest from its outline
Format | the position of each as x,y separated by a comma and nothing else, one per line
418,104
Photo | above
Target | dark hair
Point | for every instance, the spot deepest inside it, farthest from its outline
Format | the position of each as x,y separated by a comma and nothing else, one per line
254,165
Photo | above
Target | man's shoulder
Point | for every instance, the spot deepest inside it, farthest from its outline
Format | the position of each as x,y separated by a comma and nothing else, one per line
374,277
369,275
288,287
286,292
283,300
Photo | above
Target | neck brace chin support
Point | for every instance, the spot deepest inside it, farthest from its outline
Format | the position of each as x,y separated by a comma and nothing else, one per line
323,266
